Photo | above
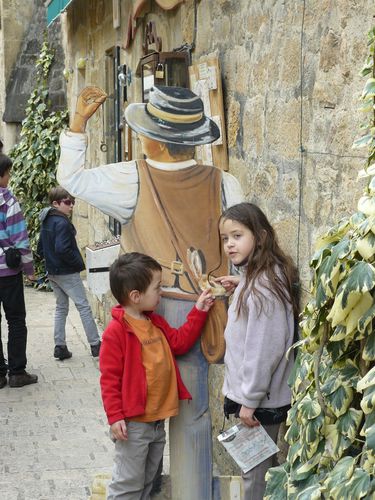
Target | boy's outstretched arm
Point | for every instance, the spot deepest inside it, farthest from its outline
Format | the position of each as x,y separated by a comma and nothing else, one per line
182,339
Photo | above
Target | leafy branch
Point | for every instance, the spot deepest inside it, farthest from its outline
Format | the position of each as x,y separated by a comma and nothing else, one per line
331,423
36,155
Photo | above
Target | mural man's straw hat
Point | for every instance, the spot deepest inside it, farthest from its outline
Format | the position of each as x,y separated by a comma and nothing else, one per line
173,114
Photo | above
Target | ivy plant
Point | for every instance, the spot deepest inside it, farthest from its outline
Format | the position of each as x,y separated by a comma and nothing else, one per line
36,155
331,425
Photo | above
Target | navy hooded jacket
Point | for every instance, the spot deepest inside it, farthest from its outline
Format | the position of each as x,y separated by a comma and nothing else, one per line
57,243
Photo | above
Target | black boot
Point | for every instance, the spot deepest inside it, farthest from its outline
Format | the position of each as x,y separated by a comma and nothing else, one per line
61,352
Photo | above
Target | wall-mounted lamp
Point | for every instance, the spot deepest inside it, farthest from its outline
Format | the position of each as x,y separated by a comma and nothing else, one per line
67,72
81,63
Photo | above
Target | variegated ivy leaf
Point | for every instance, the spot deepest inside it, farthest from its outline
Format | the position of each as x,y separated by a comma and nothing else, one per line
308,450
330,263
333,235
336,443
311,493
366,246
308,408
356,221
368,353
370,437
367,381
276,478
358,486
339,401
368,466
365,320
348,423
363,141
331,385
348,372
368,400
338,349
342,305
294,452
342,471
366,204
311,429
309,465
293,433
369,422
357,314
361,279
339,333
369,88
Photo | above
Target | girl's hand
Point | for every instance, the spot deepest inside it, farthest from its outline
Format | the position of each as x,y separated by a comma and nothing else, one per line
228,282
119,430
205,301
87,103
247,416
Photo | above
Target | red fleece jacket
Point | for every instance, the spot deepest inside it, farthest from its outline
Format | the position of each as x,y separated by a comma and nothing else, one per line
123,377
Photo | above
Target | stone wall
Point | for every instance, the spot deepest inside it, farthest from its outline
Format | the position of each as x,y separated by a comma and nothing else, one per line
291,81
23,25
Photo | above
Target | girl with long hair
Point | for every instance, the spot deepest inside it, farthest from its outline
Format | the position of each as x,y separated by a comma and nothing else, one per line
260,328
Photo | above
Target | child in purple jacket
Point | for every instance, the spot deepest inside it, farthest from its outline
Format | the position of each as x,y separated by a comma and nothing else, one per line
13,233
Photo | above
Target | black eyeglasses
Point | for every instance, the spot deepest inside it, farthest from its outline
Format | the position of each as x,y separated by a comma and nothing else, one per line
68,201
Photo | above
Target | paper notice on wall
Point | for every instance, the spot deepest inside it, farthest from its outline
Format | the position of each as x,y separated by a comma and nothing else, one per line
203,71
248,446
201,90
211,78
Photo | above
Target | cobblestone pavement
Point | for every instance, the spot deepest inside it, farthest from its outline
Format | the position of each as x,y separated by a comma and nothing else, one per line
53,434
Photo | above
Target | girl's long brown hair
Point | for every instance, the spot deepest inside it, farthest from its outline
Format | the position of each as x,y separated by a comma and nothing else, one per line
267,263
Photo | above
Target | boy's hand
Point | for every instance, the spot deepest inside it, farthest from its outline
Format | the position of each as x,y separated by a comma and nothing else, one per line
87,103
119,430
205,301
228,282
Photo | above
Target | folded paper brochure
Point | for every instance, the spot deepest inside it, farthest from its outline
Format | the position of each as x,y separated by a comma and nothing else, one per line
248,446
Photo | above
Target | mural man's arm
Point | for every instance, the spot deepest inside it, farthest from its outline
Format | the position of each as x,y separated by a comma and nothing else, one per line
111,188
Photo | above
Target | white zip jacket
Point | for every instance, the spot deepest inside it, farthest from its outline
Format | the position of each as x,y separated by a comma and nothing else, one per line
256,368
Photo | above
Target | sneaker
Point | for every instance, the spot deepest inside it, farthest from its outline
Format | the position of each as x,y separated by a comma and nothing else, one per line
61,352
21,379
95,350
3,381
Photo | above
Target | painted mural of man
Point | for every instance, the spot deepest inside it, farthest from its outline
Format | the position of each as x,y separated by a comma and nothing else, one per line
168,206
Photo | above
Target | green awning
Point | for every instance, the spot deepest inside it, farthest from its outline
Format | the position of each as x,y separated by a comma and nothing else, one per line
54,9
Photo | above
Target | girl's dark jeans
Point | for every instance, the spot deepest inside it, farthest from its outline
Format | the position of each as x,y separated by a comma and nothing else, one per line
13,301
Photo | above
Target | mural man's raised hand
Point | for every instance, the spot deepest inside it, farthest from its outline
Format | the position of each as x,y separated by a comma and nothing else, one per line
88,102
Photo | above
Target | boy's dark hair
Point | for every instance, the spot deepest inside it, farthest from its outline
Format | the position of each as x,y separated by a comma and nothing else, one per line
131,271
58,193
5,164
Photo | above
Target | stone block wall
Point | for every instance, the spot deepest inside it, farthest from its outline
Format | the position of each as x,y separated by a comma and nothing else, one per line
290,73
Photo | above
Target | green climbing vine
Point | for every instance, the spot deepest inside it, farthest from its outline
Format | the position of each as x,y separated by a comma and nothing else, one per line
331,433
35,156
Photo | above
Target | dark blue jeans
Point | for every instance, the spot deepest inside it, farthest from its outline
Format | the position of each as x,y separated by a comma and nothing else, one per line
13,301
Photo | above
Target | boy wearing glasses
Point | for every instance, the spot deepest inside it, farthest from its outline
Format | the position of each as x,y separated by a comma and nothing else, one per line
63,261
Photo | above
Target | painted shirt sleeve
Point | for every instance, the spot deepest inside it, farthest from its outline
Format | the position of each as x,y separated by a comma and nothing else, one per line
232,191
111,188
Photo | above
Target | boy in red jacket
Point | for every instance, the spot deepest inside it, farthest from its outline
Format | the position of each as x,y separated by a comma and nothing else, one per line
140,381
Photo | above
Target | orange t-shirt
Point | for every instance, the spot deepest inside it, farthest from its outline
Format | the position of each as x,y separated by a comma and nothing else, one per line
157,359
